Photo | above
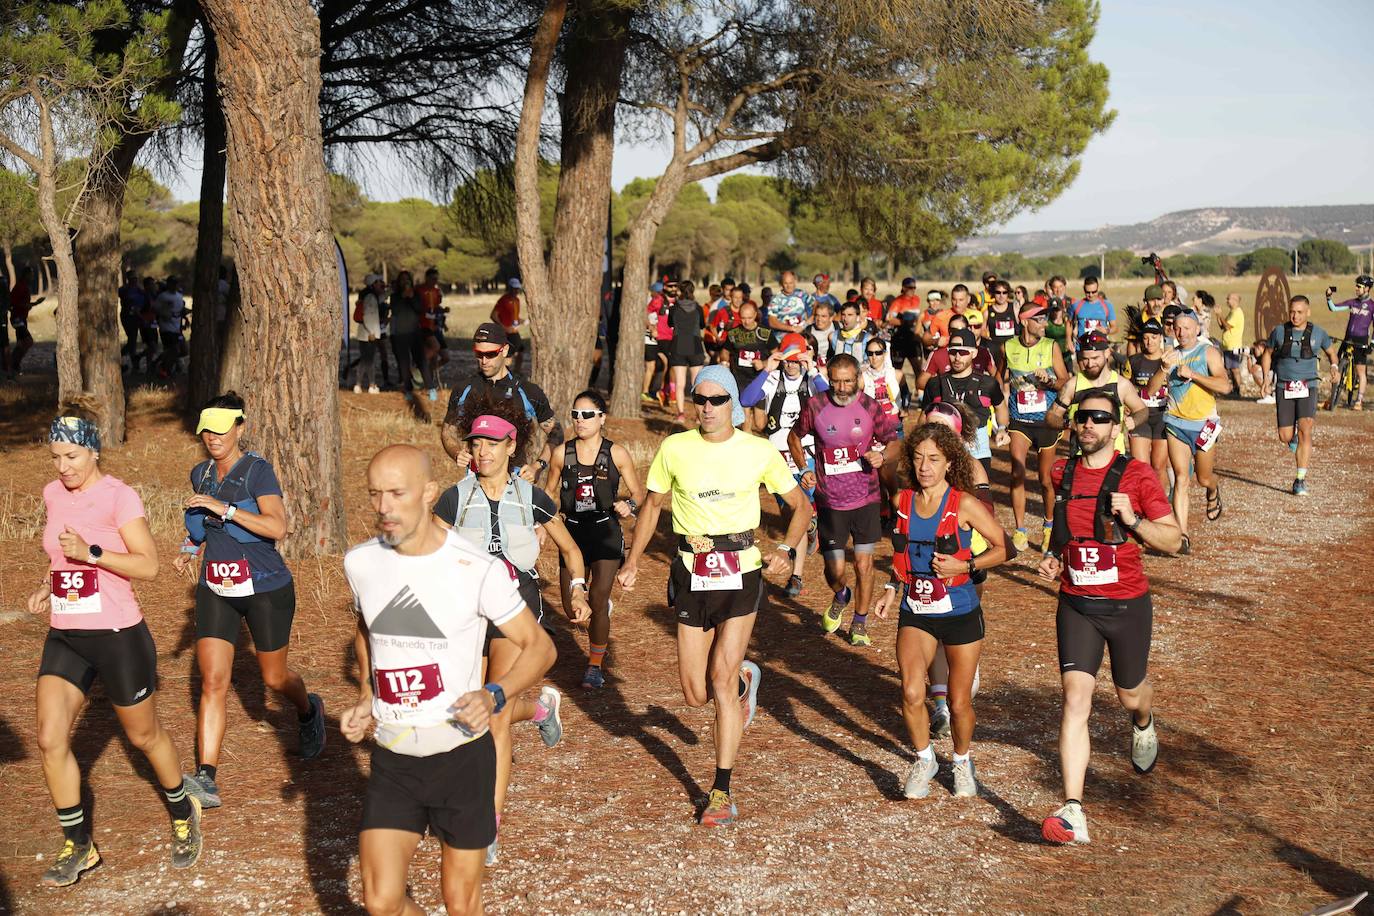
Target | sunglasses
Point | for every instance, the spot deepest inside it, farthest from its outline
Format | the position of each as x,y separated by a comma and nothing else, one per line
486,354
1096,417
585,414
875,352
715,400
961,351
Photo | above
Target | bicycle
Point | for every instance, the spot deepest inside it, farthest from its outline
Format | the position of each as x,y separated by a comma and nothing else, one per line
1348,384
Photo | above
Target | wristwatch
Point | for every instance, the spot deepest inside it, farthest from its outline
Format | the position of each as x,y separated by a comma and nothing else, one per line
789,549
96,553
1135,528
971,568
498,695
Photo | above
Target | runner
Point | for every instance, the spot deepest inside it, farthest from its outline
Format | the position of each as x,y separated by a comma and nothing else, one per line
1195,375
851,431
1148,440
687,349
233,523
903,328
433,346
934,562
1233,341
1094,371
656,333
789,309
722,320
880,380
822,334
368,332
1033,372
855,330
97,539
788,381
405,311
746,349
497,510
1357,328
822,293
1104,597
20,304
1291,352
424,598
716,584
1093,312
1002,321
506,313
868,297
979,391
585,477
938,363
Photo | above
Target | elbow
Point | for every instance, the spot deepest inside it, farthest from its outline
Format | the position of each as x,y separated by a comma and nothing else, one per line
147,568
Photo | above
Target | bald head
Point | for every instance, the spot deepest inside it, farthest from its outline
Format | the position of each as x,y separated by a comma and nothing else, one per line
401,486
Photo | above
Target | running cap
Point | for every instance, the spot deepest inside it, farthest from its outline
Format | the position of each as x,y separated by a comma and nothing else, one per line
371,278
489,332
1154,291
948,414
792,347
218,420
935,296
1152,327
1094,340
820,278
1032,309
77,431
488,427
513,283
962,339
908,282
656,287
721,376
1172,311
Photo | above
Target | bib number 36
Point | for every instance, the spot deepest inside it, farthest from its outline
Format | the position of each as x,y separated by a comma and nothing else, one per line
75,591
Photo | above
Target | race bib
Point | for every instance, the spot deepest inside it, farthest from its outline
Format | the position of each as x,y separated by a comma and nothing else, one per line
842,460
409,687
1294,389
928,596
1032,400
75,591
880,391
1004,327
747,357
584,498
229,578
717,571
791,464
1092,564
1207,436
1159,399
1091,324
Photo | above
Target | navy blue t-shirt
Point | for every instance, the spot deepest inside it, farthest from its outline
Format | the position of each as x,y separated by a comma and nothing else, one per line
250,479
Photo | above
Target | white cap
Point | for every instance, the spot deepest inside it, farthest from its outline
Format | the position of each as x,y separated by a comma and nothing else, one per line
371,278
513,283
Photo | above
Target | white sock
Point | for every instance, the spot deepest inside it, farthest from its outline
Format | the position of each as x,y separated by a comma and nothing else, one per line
928,754
961,758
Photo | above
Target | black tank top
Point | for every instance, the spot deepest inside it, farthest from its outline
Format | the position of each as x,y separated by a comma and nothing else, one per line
588,491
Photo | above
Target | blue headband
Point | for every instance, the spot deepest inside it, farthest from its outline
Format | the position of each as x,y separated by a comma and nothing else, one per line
77,431
722,377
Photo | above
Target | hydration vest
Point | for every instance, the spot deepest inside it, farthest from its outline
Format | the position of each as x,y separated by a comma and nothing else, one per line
1305,341
516,541
779,400
524,398
233,489
605,478
948,538
1105,527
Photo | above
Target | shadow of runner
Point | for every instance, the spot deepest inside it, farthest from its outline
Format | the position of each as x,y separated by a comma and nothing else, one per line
1232,475
11,749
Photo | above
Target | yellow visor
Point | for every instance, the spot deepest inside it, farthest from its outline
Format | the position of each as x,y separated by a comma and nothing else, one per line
219,420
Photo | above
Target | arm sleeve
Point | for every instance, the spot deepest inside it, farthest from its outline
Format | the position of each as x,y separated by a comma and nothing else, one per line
543,506
660,479
128,506
757,390
995,393
1339,307
498,598
543,412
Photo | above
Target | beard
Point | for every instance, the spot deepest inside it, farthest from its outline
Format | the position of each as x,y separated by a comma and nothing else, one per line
1094,447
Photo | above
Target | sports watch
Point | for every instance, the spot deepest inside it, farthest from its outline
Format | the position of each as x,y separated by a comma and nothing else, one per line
96,553
498,694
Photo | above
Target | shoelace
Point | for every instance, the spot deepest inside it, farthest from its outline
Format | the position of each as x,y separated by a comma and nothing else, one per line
181,830
68,850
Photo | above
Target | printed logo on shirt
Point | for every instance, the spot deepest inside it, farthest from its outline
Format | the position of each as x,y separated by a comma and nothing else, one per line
404,615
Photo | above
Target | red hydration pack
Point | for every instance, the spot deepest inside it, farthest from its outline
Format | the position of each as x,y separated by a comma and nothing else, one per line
946,537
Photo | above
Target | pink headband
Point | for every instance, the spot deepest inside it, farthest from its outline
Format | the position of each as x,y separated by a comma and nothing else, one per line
947,414
488,427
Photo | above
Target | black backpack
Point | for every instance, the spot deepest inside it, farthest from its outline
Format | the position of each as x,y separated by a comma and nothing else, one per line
1105,527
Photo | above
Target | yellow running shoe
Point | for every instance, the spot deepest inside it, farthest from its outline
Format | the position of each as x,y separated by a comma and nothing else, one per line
1019,540
830,621
719,810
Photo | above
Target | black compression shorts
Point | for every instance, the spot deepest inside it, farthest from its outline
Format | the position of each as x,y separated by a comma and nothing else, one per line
1291,410
597,540
1152,428
708,610
1086,625
1040,436
955,630
125,660
450,794
268,615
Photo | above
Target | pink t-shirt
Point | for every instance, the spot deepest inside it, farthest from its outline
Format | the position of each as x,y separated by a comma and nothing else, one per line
97,515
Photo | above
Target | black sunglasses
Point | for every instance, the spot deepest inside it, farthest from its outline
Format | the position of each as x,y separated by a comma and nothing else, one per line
585,414
1096,417
875,352
715,400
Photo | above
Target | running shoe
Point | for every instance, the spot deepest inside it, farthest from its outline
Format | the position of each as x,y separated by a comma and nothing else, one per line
202,786
720,811
434,394
794,587
813,538
551,728
647,398
1293,444
1020,540
1267,399
1186,547
1144,746
830,621
417,376
939,721
186,838
71,862
373,389
492,853
750,701
1045,540
595,678
965,780
312,729
858,635
918,780
1067,825
1300,487
357,389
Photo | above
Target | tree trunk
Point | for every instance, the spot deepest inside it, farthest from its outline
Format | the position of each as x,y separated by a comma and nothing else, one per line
98,270
269,77
45,277
9,266
68,321
203,381
891,269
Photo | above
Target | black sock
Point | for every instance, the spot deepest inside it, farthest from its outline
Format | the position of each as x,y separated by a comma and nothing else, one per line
304,717
73,821
178,802
208,770
722,780
1073,801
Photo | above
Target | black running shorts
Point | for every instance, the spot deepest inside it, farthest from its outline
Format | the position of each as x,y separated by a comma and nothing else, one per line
1040,436
956,630
1153,428
836,527
268,615
528,587
1291,410
450,794
708,610
597,540
125,660
1086,625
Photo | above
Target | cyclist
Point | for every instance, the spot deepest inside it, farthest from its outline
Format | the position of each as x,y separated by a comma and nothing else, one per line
1357,328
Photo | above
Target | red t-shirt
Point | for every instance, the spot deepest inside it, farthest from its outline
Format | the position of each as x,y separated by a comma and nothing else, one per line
508,311
1103,570
939,361
721,322
908,304
431,296
875,310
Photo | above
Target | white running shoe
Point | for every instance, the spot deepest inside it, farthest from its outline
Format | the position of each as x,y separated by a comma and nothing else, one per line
918,780
1067,825
965,782
1267,399
1144,746
357,389
939,721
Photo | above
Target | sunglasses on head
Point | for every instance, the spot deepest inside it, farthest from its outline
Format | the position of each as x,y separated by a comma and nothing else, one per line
1096,417
584,414
715,400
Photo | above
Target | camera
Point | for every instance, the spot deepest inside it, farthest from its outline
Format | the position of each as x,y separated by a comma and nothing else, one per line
1152,259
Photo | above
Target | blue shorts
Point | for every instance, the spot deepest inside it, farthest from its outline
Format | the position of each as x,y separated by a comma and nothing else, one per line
1185,431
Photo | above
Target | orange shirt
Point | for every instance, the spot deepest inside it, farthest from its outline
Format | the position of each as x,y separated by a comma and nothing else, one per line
938,323
430,299
507,311
901,304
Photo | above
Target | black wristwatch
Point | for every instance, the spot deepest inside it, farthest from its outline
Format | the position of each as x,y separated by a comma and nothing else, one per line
790,550
498,694
96,553
1134,529
971,568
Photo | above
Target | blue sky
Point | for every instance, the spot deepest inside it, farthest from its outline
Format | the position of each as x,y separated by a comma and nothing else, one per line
1263,103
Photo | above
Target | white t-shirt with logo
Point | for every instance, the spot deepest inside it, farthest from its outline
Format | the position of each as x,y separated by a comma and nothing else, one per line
426,621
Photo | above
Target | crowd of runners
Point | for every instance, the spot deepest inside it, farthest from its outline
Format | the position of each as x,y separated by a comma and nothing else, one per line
867,420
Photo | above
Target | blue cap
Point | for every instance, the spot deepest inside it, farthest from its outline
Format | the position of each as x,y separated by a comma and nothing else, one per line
721,376
656,287
909,281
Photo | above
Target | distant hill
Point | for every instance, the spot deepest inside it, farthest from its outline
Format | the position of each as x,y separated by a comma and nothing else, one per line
1211,230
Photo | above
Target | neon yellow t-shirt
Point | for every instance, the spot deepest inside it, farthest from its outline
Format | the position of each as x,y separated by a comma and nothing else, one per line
715,485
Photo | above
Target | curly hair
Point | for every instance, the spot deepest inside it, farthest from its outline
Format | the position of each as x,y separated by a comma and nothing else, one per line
482,402
959,474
